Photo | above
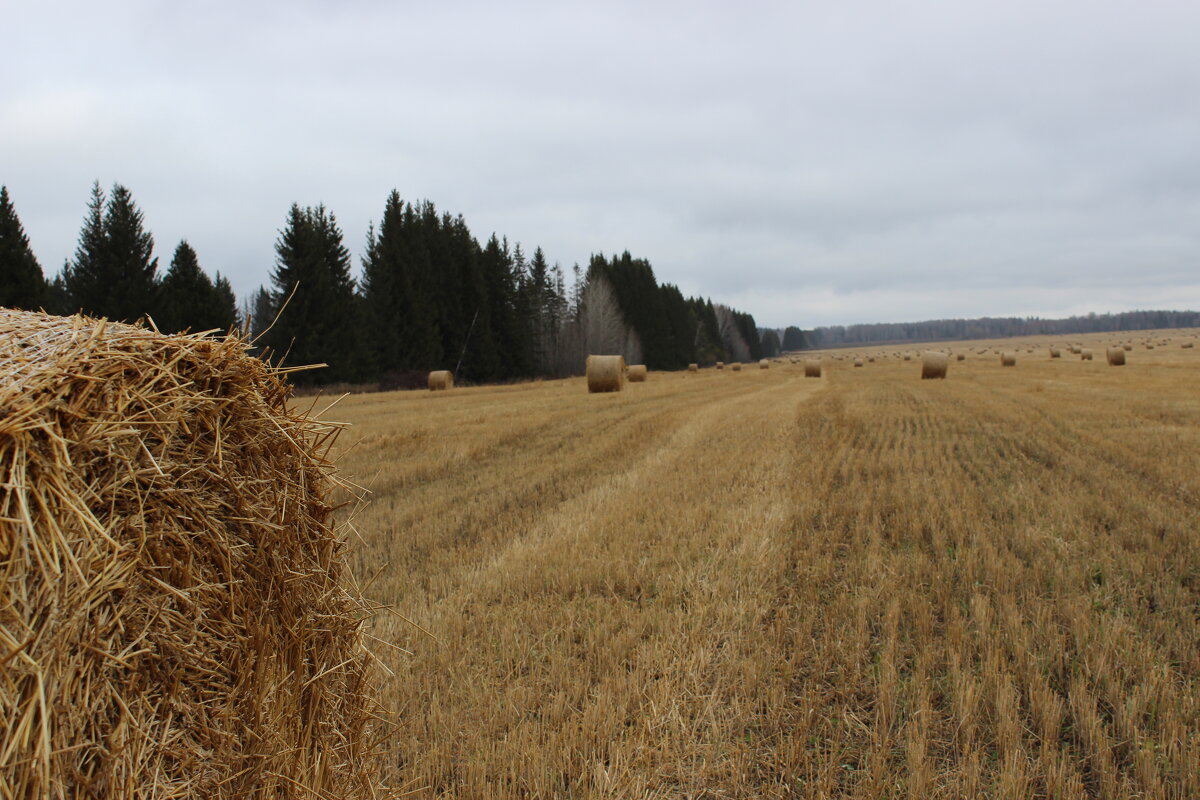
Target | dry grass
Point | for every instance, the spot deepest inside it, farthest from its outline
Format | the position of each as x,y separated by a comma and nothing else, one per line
173,622
869,586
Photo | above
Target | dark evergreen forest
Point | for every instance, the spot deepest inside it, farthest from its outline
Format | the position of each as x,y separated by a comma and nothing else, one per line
428,296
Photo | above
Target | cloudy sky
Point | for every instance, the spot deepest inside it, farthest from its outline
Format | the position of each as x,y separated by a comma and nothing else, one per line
809,162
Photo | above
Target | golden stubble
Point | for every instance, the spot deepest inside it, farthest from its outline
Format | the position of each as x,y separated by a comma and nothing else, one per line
722,584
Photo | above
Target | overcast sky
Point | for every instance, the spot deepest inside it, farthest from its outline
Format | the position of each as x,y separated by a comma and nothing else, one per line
809,162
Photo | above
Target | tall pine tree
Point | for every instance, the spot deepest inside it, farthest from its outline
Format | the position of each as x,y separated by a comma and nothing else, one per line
185,294
114,270
317,325
22,284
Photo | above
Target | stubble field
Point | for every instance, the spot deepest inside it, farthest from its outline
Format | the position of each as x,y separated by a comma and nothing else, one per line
753,584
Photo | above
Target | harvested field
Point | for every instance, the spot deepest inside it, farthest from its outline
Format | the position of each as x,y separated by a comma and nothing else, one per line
764,586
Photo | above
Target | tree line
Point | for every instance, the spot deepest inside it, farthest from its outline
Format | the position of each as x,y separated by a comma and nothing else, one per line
428,296
997,327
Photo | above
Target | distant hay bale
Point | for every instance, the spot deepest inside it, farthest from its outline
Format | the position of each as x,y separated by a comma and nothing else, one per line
961,357
764,363
720,365
934,364
1055,352
605,373
812,368
907,357
1127,348
175,617
440,380
1116,356
637,373
858,362
1085,354
1008,359
736,366
870,359
1188,345
1149,346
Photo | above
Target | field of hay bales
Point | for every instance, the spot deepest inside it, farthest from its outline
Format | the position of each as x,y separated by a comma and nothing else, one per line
752,584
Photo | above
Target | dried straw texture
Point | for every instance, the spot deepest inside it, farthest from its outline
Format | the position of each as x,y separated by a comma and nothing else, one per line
1008,359
605,373
691,368
173,619
858,362
1085,354
736,367
1116,357
934,364
637,373
1055,352
440,380
764,363
812,368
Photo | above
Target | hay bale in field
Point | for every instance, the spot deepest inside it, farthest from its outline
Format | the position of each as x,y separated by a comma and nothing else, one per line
736,366
637,373
720,365
1085,354
858,362
174,616
1149,346
1055,352
934,364
605,373
764,363
1008,359
1188,345
1127,348
1116,357
440,380
812,368
961,357
870,359
907,357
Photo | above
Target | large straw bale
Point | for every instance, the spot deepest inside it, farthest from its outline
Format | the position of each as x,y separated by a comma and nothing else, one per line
812,368
175,620
693,367
764,363
720,365
440,380
736,366
1116,356
637,373
858,362
934,364
1055,352
1188,345
605,373
1008,359
1085,354
961,357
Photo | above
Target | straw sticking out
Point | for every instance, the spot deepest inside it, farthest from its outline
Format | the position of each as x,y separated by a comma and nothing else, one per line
182,626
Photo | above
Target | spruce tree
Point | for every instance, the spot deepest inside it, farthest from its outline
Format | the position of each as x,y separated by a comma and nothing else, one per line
185,295
223,314
114,271
22,284
312,276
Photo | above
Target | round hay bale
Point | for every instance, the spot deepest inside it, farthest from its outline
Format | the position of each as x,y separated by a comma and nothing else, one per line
175,619
1008,359
1127,348
934,364
870,359
637,373
907,357
764,363
1149,346
440,380
961,357
1188,345
1116,356
812,368
605,373
720,365
1055,352
858,362
736,366
1085,354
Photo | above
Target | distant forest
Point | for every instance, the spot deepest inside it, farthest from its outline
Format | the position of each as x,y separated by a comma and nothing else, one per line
428,296
994,328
